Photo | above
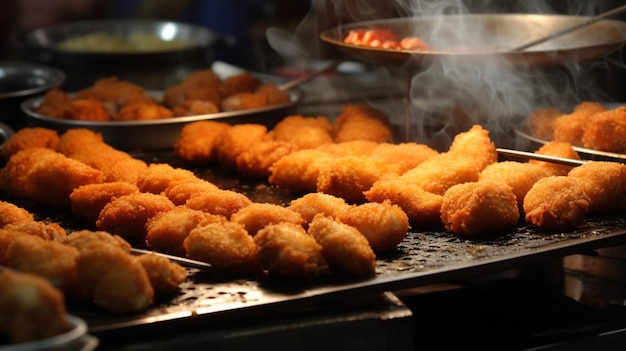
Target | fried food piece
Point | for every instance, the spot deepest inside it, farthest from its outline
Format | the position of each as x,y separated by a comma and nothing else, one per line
520,176
114,91
304,132
569,128
226,246
87,201
541,122
475,144
285,250
422,207
6,239
32,309
311,204
383,224
26,138
219,202
344,247
159,176
45,176
195,107
48,259
556,203
182,191
166,231
243,82
606,131
142,111
165,276
299,170
403,156
558,149
127,215
256,161
197,85
87,239
362,122
256,216
266,95
350,148
479,209
197,142
13,214
113,279
348,177
46,231
87,109
74,140
604,183
55,103
237,139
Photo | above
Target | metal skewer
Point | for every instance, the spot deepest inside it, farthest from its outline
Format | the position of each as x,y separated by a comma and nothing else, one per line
307,77
540,157
583,24
180,260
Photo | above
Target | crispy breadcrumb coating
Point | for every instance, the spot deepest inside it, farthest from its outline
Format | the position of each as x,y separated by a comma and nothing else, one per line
87,201
182,191
312,204
30,137
219,202
159,176
570,127
604,183
197,142
362,122
12,214
257,215
606,131
165,276
559,149
257,161
304,132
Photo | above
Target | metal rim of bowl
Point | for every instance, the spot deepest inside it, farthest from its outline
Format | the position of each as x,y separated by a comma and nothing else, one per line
54,77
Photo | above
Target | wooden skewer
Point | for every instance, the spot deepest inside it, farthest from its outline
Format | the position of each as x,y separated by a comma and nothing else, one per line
540,157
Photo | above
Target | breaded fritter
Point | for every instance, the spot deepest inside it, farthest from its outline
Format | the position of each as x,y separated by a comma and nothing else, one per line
159,176
165,276
606,131
87,239
256,216
219,202
403,156
197,142
570,127
13,214
87,201
559,149
299,170
520,176
604,183
362,122
312,204
44,230
257,161
344,247
182,191
26,138
237,139
304,132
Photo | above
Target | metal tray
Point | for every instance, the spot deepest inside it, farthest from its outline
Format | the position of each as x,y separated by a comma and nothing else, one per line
422,258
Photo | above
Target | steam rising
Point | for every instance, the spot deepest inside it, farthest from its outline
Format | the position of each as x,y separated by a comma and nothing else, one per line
451,92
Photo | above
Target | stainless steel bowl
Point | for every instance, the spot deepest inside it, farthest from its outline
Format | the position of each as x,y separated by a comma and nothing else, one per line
20,81
150,69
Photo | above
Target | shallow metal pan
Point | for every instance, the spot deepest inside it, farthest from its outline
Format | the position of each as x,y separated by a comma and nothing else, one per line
475,37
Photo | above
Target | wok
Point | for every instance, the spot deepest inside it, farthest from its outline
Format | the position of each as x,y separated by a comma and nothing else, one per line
475,37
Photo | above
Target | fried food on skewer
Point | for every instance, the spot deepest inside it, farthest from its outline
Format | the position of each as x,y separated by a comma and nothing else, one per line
256,216
32,309
285,250
556,203
344,247
479,208
227,246
30,137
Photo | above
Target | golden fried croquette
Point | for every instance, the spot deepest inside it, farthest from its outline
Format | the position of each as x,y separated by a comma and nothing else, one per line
47,177
350,148
570,127
520,176
113,279
6,239
311,204
267,94
285,250
541,122
362,122
46,231
559,149
88,200
244,82
237,139
479,209
257,161
197,85
606,131
87,239
75,140
403,156
32,309
180,192
299,170
256,216
604,183
556,203
383,224
422,207
87,109
195,107
344,247
349,176
476,144
438,174
218,202
304,132
127,215
159,176
166,231
197,142
113,91
165,276
142,111
226,246
13,214
55,103
48,259
30,137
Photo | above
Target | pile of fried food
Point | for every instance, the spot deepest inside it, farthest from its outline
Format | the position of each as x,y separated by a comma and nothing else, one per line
590,125
201,92
384,38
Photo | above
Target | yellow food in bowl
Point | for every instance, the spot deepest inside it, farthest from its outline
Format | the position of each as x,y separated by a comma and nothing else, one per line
138,42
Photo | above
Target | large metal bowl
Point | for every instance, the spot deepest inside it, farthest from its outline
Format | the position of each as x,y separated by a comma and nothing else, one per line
475,37
152,70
